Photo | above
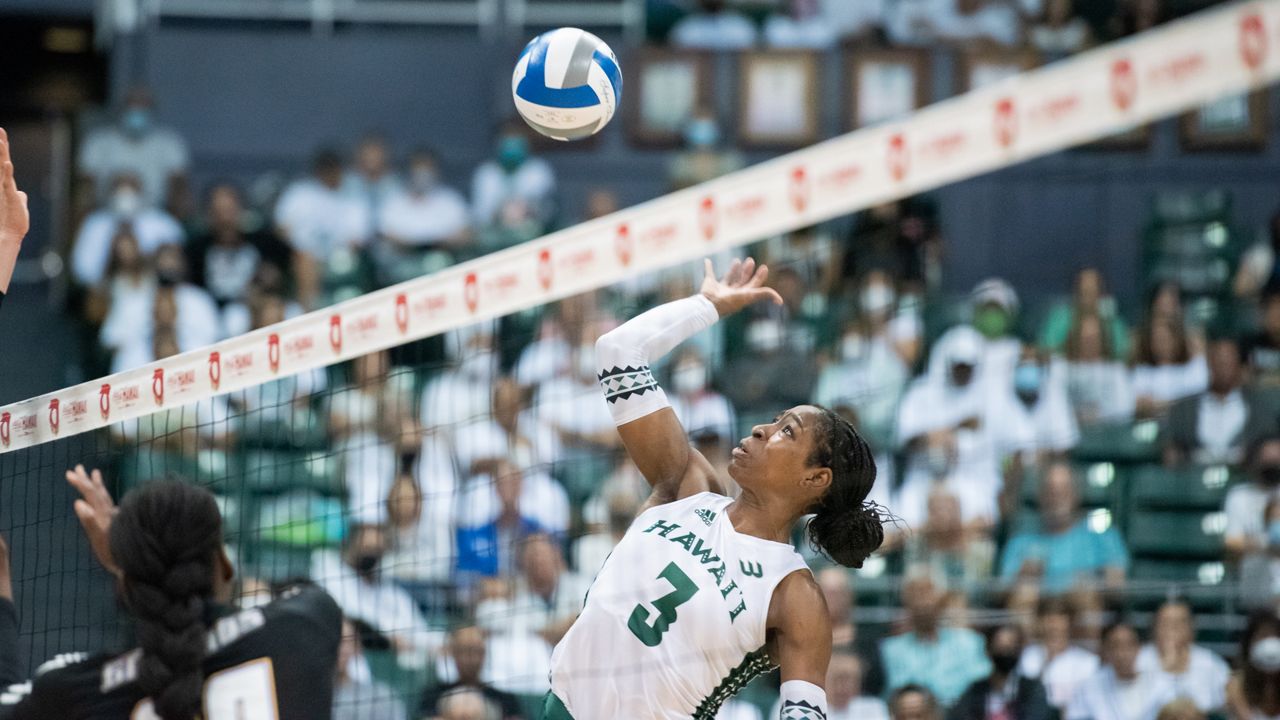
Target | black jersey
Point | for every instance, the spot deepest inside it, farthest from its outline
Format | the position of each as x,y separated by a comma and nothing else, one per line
276,661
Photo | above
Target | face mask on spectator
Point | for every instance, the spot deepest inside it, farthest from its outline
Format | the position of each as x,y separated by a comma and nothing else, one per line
126,202
992,322
423,179
136,120
512,152
1026,382
168,277
367,563
1269,474
689,378
1005,662
702,133
877,299
1264,654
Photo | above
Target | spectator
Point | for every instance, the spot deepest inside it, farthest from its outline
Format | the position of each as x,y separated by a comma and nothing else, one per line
1034,417
489,547
1090,298
811,252
225,260
1065,550
1180,709
877,350
371,183
946,547
128,286
1260,568
704,157
1006,694
124,211
699,406
913,702
592,548
356,695
1263,347
845,633
267,286
364,593
320,223
772,372
174,303
1246,530
422,224
1061,33
1164,302
1098,384
508,432
513,188
714,28
803,26
464,663
135,145
1119,690
855,20
1259,273
1216,426
570,407
466,705
1196,673
943,659
943,429
1166,370
846,696
463,391
1254,691
1059,664
280,407
919,23
995,314
421,533
551,351
900,238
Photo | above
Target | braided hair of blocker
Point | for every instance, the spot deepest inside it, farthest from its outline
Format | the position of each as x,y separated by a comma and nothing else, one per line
165,539
845,527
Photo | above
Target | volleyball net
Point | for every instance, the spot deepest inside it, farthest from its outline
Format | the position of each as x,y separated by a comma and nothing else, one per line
380,446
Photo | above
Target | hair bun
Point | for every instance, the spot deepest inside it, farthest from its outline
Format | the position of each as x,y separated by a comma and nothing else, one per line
848,535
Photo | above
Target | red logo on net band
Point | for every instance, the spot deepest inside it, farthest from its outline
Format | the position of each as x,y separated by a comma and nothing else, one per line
897,157
471,292
707,218
402,313
799,189
55,415
215,369
546,273
104,401
335,333
273,352
1006,123
1253,40
1124,84
157,385
622,244
4,429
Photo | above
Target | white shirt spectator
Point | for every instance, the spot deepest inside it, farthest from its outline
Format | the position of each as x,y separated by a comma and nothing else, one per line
542,499
919,22
318,220
373,195
706,410
382,604
1062,675
527,612
1204,682
491,187
275,399
573,405
1104,697
151,227
734,709
542,360
130,324
1244,507
211,418
423,220
425,551
1166,383
237,319
534,446
864,707
1100,391
1218,424
1049,424
812,33
517,663
461,395
722,31
154,157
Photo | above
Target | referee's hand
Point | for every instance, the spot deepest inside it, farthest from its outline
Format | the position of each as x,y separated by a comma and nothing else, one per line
15,219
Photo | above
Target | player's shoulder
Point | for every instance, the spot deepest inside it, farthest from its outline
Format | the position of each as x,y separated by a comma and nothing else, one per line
62,680
308,602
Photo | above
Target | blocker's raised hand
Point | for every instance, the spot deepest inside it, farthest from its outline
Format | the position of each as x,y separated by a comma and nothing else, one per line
96,510
741,286
15,220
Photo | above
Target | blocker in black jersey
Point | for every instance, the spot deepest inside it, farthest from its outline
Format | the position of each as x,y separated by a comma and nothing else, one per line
274,662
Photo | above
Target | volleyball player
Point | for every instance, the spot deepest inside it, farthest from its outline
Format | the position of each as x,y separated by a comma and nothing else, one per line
14,217
198,657
705,591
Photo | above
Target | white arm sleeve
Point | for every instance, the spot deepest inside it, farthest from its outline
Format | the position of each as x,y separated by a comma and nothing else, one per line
623,354
802,701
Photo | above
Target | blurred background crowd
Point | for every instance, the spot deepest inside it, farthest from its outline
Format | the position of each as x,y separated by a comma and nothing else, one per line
1086,488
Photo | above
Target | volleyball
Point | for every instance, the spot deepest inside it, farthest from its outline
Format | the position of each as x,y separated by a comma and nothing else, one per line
567,84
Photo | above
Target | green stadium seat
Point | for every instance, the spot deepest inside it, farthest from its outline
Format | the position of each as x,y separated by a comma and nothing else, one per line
1184,535
1100,484
302,431
406,683
1210,573
275,563
274,471
1189,488
1118,443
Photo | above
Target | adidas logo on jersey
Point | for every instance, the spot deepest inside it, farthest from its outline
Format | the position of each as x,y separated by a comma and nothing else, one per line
707,516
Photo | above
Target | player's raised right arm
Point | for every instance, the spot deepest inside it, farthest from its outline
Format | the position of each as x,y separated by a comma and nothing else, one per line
649,428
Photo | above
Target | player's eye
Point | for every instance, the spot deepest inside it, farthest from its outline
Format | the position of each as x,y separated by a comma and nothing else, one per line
787,429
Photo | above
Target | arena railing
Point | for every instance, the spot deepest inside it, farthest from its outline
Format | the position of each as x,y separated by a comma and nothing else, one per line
1176,67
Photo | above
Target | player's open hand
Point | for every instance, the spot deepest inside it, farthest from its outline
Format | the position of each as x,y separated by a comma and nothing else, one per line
96,510
15,219
740,287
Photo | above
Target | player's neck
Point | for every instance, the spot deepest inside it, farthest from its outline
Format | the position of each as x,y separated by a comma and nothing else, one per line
752,515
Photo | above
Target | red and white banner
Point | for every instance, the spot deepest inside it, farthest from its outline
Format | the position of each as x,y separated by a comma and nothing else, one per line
1168,70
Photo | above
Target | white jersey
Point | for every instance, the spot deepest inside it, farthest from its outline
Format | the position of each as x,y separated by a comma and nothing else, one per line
674,623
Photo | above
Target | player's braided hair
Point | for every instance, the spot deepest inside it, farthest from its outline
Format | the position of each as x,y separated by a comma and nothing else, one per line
164,539
845,526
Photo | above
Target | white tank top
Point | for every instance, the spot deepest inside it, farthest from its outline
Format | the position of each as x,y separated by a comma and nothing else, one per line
674,623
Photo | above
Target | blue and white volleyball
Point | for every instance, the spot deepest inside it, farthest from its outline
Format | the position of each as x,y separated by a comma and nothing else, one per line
567,84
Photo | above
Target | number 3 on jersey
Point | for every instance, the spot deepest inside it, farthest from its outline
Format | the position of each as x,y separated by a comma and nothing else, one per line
666,606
